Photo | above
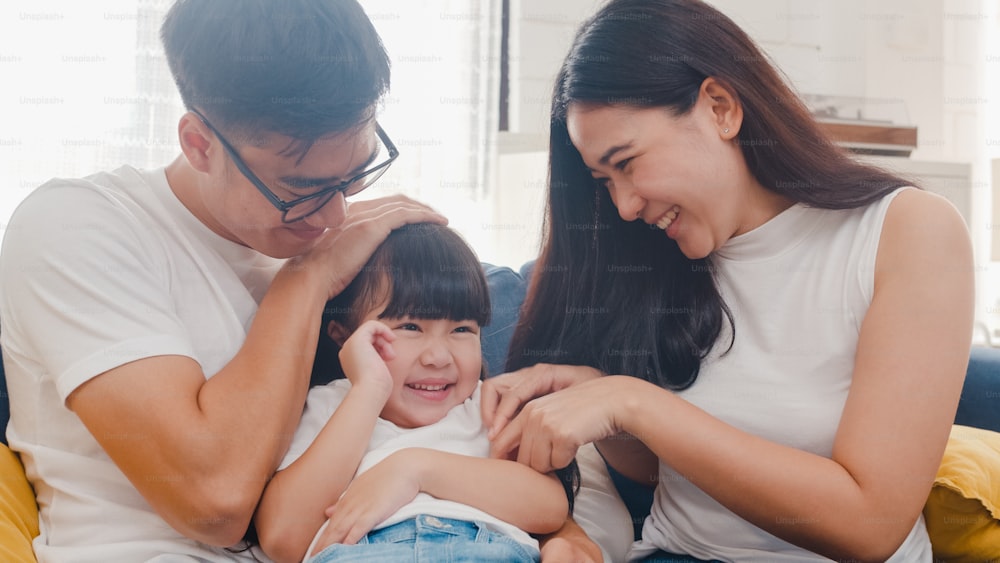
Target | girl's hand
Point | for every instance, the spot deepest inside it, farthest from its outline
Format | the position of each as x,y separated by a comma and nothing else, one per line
549,429
371,497
364,356
504,395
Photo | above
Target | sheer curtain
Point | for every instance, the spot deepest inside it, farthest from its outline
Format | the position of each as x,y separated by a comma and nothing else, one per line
442,111
87,88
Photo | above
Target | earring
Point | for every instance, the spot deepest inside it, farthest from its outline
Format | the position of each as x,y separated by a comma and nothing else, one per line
725,131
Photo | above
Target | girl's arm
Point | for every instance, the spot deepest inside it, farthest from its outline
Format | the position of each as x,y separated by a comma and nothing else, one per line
510,491
534,502
292,508
908,374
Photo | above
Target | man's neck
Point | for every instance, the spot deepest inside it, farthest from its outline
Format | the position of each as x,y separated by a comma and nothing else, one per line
184,182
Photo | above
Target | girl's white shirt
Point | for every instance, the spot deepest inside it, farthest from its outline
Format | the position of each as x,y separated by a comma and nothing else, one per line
461,431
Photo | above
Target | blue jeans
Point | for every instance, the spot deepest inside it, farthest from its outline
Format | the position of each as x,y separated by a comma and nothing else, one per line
428,539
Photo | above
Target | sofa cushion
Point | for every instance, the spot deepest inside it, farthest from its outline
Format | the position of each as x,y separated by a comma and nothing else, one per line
4,405
18,513
980,404
507,290
963,510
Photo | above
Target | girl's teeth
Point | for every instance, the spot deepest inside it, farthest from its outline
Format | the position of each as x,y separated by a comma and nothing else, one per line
429,387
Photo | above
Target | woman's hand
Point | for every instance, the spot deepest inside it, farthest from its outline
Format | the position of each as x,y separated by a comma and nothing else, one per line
549,429
364,354
343,250
371,497
570,545
504,395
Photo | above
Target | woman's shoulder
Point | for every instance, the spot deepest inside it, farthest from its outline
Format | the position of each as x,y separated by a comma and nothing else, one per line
920,225
910,200
919,210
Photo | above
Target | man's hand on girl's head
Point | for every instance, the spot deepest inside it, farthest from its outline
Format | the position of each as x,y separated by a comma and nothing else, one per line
343,250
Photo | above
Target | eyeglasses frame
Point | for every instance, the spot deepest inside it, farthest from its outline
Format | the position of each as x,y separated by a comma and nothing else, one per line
286,206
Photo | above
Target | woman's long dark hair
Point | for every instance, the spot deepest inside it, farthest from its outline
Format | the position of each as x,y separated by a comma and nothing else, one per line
619,296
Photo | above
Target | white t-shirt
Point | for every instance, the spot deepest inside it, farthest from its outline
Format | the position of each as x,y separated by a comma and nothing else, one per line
799,287
461,431
96,273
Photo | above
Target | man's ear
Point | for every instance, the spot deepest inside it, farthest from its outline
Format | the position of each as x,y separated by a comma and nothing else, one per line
337,332
195,140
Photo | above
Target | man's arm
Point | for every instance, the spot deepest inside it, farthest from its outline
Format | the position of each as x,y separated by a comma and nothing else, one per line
209,446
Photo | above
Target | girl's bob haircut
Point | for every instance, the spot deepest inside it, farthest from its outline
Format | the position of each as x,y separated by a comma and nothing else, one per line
422,271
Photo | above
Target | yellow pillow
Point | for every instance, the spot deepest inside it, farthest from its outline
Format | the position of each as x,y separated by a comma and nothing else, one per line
18,511
963,509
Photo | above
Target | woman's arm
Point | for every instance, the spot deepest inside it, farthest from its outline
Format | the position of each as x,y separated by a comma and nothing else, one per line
861,503
292,507
510,491
632,458
570,544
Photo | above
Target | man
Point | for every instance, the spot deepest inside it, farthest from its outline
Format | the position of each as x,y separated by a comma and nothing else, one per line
157,342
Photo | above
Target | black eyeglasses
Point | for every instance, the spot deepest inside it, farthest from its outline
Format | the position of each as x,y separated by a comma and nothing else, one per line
302,207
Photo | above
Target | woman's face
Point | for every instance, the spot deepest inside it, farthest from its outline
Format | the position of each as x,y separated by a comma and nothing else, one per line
683,175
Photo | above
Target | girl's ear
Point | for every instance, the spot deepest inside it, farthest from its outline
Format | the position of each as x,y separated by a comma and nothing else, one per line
337,332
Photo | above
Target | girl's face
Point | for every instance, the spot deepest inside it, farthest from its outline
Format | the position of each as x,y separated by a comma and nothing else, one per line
683,175
437,367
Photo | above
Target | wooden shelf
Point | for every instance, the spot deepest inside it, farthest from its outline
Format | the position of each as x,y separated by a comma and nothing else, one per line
871,138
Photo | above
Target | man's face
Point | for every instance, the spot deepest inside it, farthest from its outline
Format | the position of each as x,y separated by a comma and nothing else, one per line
235,208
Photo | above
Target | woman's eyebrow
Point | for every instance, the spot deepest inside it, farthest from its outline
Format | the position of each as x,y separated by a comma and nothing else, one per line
606,157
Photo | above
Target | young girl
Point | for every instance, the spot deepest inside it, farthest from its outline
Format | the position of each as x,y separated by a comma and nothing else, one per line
398,450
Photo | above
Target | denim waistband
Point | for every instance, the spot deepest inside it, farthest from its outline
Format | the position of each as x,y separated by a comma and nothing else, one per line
409,529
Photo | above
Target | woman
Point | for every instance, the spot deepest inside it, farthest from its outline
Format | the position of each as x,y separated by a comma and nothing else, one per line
784,330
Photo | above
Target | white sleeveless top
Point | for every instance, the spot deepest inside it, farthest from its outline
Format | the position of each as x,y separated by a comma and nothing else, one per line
799,287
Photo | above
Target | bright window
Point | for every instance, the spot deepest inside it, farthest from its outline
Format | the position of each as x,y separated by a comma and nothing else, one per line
87,89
